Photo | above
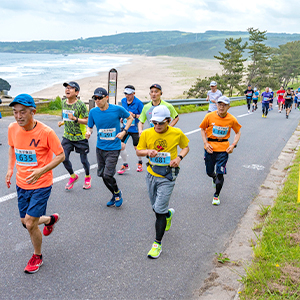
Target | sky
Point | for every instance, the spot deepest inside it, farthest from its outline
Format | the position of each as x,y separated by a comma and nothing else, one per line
26,20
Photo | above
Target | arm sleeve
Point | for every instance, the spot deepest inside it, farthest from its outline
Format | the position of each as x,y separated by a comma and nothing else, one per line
204,123
142,145
54,143
173,112
90,122
236,126
184,141
84,111
143,116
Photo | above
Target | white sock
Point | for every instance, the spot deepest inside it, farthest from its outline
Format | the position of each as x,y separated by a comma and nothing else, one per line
124,156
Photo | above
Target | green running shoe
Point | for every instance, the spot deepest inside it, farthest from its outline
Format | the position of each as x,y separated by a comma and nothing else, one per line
216,201
168,225
155,250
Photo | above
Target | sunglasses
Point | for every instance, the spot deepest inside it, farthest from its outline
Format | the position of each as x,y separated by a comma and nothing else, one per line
98,98
158,123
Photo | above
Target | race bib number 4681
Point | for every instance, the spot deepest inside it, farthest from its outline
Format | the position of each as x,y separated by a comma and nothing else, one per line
161,159
26,157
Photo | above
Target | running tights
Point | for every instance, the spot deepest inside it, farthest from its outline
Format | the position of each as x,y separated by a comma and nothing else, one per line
110,183
219,181
265,109
160,225
84,161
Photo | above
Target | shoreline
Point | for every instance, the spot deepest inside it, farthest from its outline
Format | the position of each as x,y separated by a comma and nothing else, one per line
174,74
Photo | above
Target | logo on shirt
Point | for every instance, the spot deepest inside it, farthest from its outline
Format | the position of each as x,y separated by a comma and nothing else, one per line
34,143
160,145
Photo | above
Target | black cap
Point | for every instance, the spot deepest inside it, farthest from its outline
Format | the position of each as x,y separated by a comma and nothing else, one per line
101,92
249,84
155,85
130,87
72,84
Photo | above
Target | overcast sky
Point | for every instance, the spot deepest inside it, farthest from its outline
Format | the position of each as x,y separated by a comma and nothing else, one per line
25,20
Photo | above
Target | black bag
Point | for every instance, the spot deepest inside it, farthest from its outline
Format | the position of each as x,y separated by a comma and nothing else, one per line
166,171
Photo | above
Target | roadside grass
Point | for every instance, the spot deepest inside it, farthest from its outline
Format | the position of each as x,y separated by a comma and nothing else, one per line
54,108
275,270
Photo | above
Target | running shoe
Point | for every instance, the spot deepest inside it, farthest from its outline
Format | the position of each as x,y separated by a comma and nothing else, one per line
118,199
139,168
71,182
263,115
213,184
87,183
48,229
216,201
123,169
248,111
155,250
287,116
169,220
279,111
111,202
34,264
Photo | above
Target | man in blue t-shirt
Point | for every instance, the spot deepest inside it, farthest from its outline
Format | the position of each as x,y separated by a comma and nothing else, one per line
134,106
265,98
107,118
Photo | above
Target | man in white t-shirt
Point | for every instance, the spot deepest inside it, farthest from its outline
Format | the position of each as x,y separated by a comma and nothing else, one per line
212,96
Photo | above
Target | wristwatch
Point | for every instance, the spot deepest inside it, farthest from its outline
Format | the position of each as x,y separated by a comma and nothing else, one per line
76,121
126,131
234,145
181,157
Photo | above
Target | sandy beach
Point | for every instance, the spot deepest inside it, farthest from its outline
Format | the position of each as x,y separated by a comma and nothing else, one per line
174,74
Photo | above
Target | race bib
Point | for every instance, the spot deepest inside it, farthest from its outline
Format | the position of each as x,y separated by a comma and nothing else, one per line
266,99
249,94
26,157
281,94
107,134
288,97
161,159
219,131
65,113
125,122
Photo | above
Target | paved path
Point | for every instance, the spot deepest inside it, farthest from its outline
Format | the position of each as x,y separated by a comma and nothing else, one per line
97,252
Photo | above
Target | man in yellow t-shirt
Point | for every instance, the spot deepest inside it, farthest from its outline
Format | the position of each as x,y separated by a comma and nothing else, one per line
159,144
216,127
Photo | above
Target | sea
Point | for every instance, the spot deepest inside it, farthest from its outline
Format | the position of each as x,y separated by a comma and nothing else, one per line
29,73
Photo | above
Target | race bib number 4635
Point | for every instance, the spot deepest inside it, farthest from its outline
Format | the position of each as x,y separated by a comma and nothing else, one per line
26,157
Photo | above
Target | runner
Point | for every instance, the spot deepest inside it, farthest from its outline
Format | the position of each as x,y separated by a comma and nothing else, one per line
295,98
31,146
298,99
249,94
281,100
255,99
212,96
265,98
271,99
155,95
107,118
159,144
75,116
288,96
135,107
215,132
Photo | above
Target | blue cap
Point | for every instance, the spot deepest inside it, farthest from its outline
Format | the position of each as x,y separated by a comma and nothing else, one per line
101,92
72,84
23,99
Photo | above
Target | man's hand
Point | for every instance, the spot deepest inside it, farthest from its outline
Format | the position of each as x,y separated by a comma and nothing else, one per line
60,123
121,134
152,153
175,162
209,148
230,149
34,176
8,177
71,117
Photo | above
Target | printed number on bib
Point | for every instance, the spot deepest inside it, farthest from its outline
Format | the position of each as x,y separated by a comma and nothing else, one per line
65,114
125,122
26,157
161,159
219,131
107,134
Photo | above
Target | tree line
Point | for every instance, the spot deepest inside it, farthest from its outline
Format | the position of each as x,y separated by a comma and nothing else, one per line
267,66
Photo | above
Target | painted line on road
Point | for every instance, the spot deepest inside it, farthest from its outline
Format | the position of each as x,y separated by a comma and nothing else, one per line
244,115
63,177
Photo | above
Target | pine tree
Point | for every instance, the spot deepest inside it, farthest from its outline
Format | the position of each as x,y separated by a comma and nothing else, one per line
233,63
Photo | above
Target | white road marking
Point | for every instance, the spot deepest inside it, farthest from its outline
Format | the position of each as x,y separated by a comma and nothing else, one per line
254,167
244,115
193,131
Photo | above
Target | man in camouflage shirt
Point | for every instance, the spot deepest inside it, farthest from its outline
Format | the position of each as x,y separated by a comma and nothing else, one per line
75,117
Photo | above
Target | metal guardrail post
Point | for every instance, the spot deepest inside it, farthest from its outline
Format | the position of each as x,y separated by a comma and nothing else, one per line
91,104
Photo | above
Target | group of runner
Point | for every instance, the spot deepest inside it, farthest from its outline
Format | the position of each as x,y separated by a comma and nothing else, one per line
32,145
285,99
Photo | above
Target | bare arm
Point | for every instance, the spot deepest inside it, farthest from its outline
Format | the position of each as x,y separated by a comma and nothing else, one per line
11,164
174,121
175,162
88,133
207,146
140,127
235,141
80,121
121,134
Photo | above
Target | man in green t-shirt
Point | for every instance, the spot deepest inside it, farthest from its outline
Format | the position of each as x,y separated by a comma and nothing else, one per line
75,117
155,94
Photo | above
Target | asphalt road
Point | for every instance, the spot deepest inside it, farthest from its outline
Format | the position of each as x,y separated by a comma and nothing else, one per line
97,252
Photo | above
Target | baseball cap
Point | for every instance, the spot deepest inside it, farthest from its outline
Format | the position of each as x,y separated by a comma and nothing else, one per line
101,92
23,99
270,90
255,89
213,83
249,84
155,85
160,113
224,99
72,84
129,89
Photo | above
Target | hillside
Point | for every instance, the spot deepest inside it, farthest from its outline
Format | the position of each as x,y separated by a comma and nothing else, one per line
172,43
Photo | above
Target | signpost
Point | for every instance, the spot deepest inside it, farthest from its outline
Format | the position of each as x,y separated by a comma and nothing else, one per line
112,84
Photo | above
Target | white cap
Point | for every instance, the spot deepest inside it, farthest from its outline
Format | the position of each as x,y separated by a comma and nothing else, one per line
255,89
129,91
224,99
213,83
160,113
270,90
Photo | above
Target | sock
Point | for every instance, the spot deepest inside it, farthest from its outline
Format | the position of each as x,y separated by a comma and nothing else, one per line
157,242
215,195
87,176
117,192
73,175
168,214
52,221
124,156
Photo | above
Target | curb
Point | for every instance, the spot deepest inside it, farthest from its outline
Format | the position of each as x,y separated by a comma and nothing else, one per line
223,282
